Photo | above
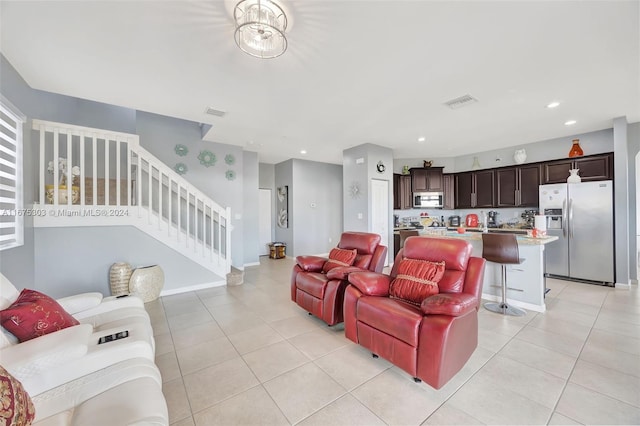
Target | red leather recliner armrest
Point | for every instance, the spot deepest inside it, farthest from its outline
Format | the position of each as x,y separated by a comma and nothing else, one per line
311,263
342,272
453,304
370,283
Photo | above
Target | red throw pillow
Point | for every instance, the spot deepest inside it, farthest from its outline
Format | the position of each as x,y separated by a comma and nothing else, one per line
16,407
340,257
34,314
416,280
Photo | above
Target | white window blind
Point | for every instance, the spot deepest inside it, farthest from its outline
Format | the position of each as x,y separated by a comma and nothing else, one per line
11,191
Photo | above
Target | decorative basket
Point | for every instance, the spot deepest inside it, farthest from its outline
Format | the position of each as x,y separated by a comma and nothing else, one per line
119,275
147,282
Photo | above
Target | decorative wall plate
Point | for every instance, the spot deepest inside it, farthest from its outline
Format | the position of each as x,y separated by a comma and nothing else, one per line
230,159
181,150
181,168
354,190
230,175
380,167
207,158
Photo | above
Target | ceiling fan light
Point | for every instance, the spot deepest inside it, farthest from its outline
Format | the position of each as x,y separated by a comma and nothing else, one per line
260,27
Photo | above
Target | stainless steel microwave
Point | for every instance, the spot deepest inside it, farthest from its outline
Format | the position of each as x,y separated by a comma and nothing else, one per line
433,200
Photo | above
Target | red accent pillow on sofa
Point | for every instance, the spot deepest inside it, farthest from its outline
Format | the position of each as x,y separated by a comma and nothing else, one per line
34,314
416,280
16,407
340,257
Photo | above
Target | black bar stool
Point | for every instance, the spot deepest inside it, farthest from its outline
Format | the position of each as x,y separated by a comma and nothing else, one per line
502,249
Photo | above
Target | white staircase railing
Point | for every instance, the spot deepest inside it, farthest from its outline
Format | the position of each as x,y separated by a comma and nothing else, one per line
115,181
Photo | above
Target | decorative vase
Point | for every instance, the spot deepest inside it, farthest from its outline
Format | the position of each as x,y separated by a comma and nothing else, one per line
147,282
62,194
405,170
119,275
574,177
576,150
520,156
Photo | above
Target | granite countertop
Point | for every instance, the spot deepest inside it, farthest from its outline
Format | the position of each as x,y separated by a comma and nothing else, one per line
477,236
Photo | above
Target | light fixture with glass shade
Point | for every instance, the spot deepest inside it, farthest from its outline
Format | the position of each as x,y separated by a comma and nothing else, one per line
260,27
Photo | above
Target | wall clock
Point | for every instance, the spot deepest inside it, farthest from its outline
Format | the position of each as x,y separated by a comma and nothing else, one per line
354,190
380,167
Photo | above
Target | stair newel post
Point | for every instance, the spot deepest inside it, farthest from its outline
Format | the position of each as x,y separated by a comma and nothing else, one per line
149,190
42,162
82,168
128,166
188,217
106,170
94,169
68,173
56,172
169,206
160,188
118,175
179,198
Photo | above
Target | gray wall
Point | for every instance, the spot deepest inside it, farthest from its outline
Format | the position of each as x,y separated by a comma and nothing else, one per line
284,176
633,139
250,212
76,260
267,180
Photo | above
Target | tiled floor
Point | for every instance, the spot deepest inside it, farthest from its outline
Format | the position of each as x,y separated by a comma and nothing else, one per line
247,355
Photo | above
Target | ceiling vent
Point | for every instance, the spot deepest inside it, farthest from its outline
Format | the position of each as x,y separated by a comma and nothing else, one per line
216,112
461,101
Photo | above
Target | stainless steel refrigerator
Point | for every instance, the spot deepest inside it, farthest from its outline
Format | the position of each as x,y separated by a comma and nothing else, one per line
581,216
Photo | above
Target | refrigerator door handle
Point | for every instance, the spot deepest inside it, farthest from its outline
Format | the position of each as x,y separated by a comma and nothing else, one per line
570,218
564,218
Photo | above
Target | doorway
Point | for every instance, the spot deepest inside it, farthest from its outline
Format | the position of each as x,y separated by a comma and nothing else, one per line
380,211
265,222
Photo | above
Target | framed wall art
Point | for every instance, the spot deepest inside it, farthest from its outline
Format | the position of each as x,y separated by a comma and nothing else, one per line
283,206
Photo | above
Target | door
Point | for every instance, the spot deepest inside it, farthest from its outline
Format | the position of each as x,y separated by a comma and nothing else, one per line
590,211
556,253
265,221
380,211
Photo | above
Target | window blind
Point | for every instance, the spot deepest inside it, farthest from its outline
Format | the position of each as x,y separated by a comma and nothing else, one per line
11,191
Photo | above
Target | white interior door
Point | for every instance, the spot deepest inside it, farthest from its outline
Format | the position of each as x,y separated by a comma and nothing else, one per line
265,222
380,210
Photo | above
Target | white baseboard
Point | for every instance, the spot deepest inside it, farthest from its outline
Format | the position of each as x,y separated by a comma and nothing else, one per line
251,264
523,305
623,286
195,287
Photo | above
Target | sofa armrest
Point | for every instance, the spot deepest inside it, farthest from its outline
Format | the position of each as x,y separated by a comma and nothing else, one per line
35,356
342,272
370,283
80,302
453,304
311,263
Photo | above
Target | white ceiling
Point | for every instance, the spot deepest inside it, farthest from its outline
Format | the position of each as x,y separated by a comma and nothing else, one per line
355,72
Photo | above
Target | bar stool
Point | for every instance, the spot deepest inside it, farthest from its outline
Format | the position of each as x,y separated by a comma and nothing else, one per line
502,249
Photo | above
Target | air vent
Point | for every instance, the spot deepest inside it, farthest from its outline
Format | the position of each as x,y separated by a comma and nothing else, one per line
216,112
461,101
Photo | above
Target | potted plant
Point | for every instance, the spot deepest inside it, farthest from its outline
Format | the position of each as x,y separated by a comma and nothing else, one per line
62,182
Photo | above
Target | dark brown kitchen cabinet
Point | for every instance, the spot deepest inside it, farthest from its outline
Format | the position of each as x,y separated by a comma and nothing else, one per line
517,186
593,167
426,179
474,189
402,196
449,186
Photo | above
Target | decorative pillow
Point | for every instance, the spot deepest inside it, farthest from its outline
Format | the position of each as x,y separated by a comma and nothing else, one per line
16,408
340,257
34,314
416,280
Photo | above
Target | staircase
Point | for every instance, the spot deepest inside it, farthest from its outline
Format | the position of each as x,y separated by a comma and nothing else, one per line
116,182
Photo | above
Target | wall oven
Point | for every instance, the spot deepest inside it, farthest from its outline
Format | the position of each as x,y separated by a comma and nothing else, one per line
431,200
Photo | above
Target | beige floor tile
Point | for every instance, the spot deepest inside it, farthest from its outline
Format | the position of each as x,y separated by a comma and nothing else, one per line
180,322
273,360
255,338
160,327
344,411
535,356
292,326
491,404
184,422
584,294
556,342
183,307
196,334
341,365
613,315
315,344
618,342
491,340
608,382
397,399
588,407
610,357
168,366
211,292
177,401
619,305
559,419
562,305
212,302
498,323
217,383
251,407
567,323
205,354
296,398
617,327
164,344
239,323
279,310
448,415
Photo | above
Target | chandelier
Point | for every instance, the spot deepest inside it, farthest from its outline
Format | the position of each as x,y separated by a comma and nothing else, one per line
260,27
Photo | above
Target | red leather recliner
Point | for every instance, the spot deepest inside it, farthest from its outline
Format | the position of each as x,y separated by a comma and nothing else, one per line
322,294
433,341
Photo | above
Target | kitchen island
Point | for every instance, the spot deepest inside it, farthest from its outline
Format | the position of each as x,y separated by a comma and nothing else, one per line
525,282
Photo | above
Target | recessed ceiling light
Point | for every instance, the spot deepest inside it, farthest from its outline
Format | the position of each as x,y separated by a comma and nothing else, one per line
422,139
570,122
553,104
304,151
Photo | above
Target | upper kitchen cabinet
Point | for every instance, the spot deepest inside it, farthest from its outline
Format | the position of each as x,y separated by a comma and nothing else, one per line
402,195
517,186
593,167
449,185
426,179
474,189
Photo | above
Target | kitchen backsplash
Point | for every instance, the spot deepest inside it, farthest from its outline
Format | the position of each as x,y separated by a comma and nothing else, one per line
505,215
